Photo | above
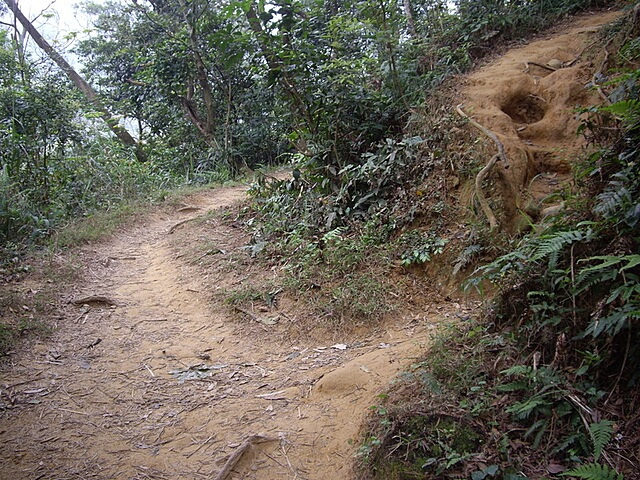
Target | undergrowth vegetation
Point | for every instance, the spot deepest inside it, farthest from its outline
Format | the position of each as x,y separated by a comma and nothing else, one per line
546,384
405,173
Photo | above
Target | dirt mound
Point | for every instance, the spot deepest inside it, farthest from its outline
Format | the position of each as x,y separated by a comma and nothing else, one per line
528,98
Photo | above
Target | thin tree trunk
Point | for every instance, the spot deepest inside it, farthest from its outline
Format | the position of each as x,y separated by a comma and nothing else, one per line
207,127
276,67
411,22
122,134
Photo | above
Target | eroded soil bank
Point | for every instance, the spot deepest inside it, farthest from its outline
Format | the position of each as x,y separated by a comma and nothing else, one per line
531,99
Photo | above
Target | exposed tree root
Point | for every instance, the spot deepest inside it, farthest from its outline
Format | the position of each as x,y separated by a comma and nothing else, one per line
500,156
237,455
541,65
482,200
598,73
179,224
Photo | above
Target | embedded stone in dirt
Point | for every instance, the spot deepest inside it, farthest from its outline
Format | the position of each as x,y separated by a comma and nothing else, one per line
525,108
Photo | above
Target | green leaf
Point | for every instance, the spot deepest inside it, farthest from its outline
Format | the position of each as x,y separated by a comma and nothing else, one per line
512,387
632,261
607,261
601,433
594,471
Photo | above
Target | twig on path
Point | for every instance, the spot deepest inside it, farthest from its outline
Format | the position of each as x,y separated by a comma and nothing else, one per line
179,224
237,455
94,343
200,446
148,320
249,314
293,470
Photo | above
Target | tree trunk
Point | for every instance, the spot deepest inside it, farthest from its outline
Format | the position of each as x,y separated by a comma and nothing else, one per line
411,22
207,126
277,69
122,134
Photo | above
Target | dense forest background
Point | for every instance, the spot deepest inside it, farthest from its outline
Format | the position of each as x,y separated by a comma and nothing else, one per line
211,88
355,97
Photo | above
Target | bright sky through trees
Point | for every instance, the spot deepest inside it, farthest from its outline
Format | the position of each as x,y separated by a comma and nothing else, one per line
58,13
55,19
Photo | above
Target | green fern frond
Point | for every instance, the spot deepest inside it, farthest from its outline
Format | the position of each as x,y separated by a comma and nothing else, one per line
627,109
594,471
601,433
607,261
617,319
523,410
518,370
611,201
632,261
553,244
465,257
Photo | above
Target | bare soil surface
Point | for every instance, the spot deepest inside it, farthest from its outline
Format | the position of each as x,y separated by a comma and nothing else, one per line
151,374
530,98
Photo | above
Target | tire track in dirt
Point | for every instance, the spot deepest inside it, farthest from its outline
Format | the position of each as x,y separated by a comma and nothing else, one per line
98,399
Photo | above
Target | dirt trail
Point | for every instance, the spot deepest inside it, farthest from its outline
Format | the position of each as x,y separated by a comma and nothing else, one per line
99,399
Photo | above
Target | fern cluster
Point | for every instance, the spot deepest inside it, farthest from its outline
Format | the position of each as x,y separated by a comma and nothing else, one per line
570,292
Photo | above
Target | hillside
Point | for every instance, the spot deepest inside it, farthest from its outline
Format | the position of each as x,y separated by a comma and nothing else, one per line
181,352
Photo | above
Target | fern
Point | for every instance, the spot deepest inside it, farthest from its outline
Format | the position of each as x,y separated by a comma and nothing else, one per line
594,471
601,433
627,109
615,321
466,257
518,370
553,244
611,201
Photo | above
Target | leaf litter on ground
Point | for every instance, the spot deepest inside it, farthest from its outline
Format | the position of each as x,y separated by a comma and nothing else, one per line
196,372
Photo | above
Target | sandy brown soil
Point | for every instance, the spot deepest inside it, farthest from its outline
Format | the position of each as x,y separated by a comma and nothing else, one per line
533,111
98,400
169,381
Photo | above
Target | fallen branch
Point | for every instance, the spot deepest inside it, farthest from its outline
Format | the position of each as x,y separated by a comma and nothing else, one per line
240,451
500,156
179,224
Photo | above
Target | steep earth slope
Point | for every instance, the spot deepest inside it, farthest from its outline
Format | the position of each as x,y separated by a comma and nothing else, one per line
529,98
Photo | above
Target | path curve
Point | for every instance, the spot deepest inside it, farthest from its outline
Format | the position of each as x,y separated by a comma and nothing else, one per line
98,400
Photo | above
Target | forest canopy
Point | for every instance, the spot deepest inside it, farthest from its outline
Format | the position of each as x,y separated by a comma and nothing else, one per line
209,88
